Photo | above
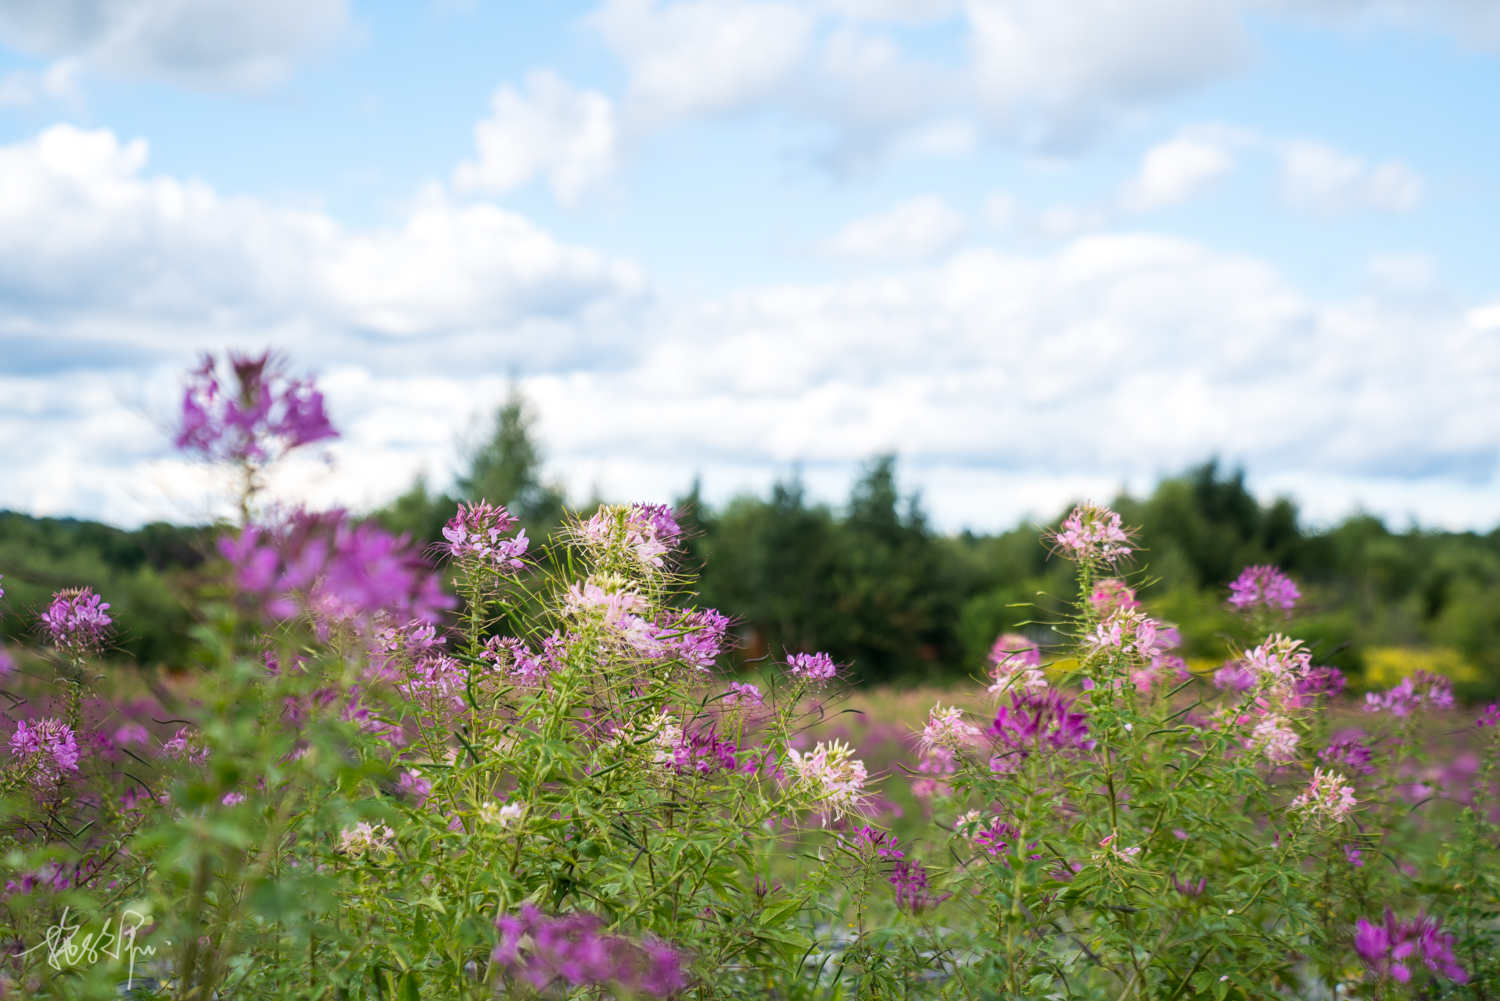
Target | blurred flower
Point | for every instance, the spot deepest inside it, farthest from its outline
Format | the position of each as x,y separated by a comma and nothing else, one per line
909,878
836,777
1015,662
660,733
1275,738
947,728
1266,586
232,799
1321,681
185,747
266,413
1190,889
504,816
1347,748
935,761
362,838
7,663
1351,855
475,533
813,667
132,733
1091,533
414,787
46,749
1491,716
1034,720
1421,690
1393,947
741,693
1113,852
76,621
1235,676
571,950
1110,595
1329,795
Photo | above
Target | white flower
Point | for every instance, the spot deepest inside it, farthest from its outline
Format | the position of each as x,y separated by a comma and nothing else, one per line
1328,795
837,777
502,816
1275,737
362,838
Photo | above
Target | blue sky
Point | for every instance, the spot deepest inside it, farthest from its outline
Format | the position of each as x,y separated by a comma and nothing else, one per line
1039,250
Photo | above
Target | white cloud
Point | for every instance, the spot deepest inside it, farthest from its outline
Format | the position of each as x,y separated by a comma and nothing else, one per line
570,135
1323,181
917,230
702,57
59,83
1175,171
209,43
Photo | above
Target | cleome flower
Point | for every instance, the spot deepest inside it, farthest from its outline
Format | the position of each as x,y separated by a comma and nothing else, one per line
834,776
1279,665
1393,948
812,667
947,728
363,839
1265,586
647,532
1420,691
1275,738
1329,796
76,621
47,749
1015,662
476,533
1091,533
502,816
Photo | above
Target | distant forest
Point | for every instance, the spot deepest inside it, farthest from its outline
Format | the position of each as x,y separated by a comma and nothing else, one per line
872,583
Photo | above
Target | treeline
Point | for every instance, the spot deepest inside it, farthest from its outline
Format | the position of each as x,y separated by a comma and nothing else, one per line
871,582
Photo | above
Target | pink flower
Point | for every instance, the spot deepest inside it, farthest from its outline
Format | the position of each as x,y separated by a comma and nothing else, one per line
1274,737
476,533
1112,595
1421,690
413,786
1329,796
813,667
132,733
266,414
232,799
743,693
1091,533
1015,662
947,728
1393,948
570,951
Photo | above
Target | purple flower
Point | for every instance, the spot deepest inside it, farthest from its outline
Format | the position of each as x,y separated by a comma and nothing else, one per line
132,733
910,882
1393,948
695,637
1033,720
1112,595
414,787
518,662
571,950
476,533
232,799
813,667
1234,676
76,621
1266,586
46,749
1348,748
701,751
267,413
7,663
648,531
1321,681
1491,716
869,839
1190,889
1351,855
1421,690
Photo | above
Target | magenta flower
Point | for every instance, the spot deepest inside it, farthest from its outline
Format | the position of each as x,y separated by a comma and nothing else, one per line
694,637
76,621
1111,595
1265,586
571,950
8,663
1035,720
476,533
1189,888
1234,676
1420,691
1328,681
702,752
1351,855
414,787
868,839
743,693
267,413
46,749
1491,716
909,878
813,667
1091,533
232,799
1348,748
515,658
1393,948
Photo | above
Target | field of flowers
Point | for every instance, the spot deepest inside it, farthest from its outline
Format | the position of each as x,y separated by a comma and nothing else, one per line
549,784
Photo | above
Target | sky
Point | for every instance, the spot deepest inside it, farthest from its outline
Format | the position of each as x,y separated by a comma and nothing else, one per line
1041,251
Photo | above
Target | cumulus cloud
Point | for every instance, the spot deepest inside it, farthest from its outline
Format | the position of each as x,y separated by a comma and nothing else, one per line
702,57
572,136
916,230
205,43
1323,181
1175,171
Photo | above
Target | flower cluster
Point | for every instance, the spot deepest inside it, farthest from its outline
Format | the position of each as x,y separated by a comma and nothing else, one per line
336,570
701,752
267,411
571,950
947,728
869,840
1391,948
993,837
76,621
909,878
363,839
1274,737
1420,691
1112,595
1264,586
1091,533
1329,796
647,531
1348,748
1129,631
1033,721
1280,666
502,815
414,786
816,668
743,693
1015,662
477,532
45,750
835,776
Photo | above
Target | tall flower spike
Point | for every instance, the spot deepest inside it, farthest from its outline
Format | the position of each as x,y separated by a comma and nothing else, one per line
1266,587
1091,534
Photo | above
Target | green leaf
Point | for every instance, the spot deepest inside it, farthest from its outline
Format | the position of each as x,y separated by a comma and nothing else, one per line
408,991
